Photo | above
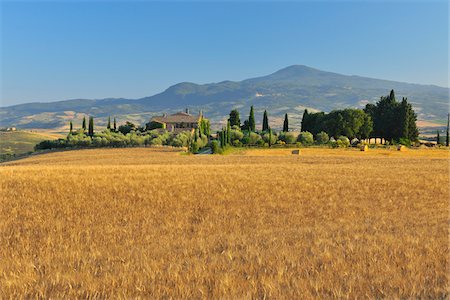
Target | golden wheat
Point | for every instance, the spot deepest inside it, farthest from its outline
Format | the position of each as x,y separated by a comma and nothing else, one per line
152,223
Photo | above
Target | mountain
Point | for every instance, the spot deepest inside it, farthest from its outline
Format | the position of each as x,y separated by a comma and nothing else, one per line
289,90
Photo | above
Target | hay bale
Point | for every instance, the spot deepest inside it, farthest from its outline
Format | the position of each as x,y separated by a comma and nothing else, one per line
401,148
296,152
364,148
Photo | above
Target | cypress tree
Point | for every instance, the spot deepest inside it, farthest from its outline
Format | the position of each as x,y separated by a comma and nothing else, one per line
70,127
270,137
265,124
115,124
438,138
447,138
223,138
109,123
304,126
91,126
228,132
234,118
251,120
286,123
84,123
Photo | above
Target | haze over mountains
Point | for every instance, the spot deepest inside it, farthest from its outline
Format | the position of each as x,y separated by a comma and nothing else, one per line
289,90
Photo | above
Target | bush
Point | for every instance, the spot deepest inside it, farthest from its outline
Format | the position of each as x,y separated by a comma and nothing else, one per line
215,147
288,137
181,139
237,143
266,138
342,142
322,138
405,142
157,141
251,139
306,138
236,135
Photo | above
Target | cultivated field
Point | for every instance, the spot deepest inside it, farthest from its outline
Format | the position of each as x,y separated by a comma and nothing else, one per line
154,223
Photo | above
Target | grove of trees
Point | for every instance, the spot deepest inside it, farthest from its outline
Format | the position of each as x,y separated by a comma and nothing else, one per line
388,119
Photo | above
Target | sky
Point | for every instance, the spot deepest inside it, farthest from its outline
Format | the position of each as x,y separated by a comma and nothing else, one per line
59,50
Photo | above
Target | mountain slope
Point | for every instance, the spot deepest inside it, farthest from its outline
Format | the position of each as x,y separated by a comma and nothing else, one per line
288,90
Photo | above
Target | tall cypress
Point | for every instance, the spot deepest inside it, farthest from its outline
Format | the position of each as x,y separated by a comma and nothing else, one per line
304,126
84,123
91,126
270,137
447,138
286,123
109,123
228,132
265,124
438,138
251,120
70,127
115,124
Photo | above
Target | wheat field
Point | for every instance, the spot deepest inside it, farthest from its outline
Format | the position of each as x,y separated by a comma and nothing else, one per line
154,223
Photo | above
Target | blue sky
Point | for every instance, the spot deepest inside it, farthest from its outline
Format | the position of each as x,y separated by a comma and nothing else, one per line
78,49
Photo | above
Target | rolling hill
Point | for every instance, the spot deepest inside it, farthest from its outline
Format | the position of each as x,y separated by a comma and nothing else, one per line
289,90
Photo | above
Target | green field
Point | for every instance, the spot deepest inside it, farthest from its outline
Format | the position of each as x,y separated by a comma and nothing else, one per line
19,142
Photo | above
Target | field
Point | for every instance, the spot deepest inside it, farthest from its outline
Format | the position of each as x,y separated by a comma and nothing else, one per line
19,142
154,223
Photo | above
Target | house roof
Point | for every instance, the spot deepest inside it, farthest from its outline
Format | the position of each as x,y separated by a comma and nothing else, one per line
177,118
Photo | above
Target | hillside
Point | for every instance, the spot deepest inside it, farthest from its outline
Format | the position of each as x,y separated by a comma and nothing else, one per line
19,142
289,90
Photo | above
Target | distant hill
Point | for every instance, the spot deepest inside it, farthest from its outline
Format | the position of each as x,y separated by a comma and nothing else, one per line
289,90
19,142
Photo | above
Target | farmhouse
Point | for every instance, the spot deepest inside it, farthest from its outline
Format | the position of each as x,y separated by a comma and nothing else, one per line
180,121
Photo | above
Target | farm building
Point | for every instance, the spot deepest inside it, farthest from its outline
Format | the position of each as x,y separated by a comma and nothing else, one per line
180,121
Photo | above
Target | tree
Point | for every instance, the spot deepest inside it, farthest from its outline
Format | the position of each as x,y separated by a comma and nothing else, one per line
265,124
447,138
286,123
251,120
322,138
306,138
109,123
234,118
245,126
127,127
228,133
393,120
115,125
70,127
305,125
438,138
91,126
270,137
84,123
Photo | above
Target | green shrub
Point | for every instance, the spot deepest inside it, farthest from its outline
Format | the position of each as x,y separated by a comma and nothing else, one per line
343,141
306,138
157,141
266,138
237,143
288,137
254,138
405,142
215,147
322,138
236,135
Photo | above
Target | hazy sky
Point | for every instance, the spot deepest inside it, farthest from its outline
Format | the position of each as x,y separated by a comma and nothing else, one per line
77,49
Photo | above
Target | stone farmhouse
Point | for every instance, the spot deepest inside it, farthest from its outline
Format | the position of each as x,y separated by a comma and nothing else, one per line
178,122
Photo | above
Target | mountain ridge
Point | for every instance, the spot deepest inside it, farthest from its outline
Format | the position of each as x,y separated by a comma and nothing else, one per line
289,89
